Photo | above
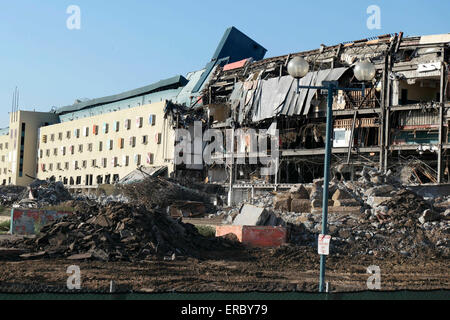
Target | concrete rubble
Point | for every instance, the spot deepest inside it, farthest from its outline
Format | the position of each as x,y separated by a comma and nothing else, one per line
119,232
38,194
373,215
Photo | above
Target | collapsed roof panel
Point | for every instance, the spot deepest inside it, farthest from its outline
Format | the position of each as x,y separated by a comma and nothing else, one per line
273,97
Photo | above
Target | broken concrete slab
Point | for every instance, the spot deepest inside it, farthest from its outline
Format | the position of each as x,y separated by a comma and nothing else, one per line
379,191
341,195
299,192
346,203
376,201
81,256
33,255
283,203
428,216
251,216
317,203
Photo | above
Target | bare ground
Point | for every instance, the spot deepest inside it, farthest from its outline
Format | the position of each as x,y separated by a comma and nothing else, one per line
284,269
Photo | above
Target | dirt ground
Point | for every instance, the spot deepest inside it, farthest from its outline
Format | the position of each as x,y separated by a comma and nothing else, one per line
284,269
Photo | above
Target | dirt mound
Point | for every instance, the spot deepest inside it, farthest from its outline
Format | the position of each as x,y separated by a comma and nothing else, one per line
120,232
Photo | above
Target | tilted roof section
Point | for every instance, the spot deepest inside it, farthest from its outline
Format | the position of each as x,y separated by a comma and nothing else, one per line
174,82
233,47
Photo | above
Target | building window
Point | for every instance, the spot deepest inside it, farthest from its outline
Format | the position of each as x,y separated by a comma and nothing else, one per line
139,122
75,164
94,163
105,128
55,151
44,138
58,166
60,136
80,148
90,147
68,134
77,133
110,144
100,146
144,139
66,166
127,124
84,164
104,162
132,142
52,137
150,158
72,149
50,167
126,161
152,120
41,154
137,159
117,126
158,138
86,131
63,151
47,153
95,130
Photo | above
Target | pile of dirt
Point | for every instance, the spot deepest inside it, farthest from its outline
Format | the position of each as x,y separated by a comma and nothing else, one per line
119,232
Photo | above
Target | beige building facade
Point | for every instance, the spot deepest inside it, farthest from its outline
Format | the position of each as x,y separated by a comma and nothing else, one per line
103,149
18,146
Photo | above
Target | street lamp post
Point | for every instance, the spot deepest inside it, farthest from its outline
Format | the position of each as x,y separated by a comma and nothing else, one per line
364,71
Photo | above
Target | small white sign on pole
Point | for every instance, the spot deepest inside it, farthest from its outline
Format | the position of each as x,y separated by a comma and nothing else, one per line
324,245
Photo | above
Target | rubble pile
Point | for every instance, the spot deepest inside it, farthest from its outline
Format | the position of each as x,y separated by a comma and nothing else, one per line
118,232
157,192
374,215
10,195
42,193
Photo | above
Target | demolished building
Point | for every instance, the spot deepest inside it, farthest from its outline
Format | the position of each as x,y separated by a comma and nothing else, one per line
399,124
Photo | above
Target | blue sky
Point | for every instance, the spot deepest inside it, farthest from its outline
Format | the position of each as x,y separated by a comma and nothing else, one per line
128,44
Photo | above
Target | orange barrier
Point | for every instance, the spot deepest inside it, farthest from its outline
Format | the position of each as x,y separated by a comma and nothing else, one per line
255,236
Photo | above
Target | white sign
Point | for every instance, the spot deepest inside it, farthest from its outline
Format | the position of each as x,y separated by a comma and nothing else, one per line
324,245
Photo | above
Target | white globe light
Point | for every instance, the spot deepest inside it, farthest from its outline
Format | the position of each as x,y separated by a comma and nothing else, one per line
364,71
298,67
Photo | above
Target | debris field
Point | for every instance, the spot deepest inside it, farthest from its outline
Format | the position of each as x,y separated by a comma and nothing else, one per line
139,233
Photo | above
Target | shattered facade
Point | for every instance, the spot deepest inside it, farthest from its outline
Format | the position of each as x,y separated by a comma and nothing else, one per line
399,124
